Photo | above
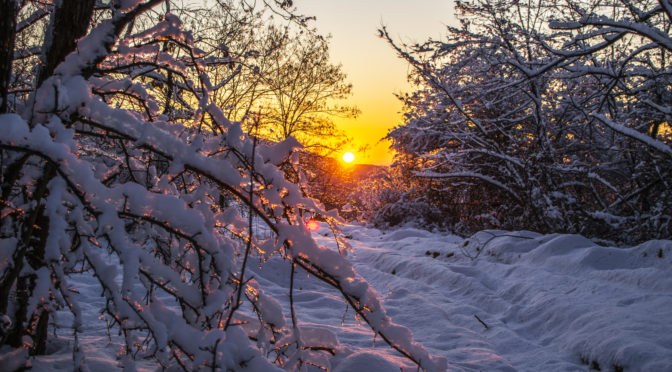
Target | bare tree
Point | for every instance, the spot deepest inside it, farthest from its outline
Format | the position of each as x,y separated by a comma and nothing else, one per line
283,74
304,87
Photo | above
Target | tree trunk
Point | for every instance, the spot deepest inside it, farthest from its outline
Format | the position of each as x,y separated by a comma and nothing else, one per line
9,10
69,22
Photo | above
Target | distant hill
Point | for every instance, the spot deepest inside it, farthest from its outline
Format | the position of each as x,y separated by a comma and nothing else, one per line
362,171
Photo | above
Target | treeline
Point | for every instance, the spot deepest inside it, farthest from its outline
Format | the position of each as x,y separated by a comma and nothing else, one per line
552,116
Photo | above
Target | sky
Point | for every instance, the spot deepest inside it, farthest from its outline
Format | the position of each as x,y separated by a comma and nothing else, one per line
371,64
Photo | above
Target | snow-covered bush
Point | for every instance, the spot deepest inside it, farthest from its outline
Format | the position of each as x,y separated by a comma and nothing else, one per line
116,162
396,197
552,116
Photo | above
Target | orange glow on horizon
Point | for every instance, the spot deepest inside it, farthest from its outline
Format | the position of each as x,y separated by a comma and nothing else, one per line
371,65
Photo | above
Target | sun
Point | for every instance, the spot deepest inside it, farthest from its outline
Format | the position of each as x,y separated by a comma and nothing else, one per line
348,157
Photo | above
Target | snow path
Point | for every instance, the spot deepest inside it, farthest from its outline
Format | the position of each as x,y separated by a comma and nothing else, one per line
550,303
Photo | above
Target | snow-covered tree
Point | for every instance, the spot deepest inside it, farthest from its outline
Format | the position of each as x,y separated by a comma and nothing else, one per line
550,116
116,162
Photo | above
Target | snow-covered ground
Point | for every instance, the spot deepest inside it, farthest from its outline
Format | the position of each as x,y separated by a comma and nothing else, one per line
499,301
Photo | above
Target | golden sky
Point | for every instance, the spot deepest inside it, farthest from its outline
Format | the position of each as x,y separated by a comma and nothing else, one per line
372,66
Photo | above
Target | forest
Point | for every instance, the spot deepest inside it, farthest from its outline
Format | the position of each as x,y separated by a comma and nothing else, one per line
169,174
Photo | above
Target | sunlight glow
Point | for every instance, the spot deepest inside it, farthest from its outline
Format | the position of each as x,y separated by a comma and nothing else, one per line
312,225
348,157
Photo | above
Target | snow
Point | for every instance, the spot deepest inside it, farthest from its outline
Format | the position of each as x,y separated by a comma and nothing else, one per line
629,132
497,301
366,362
413,299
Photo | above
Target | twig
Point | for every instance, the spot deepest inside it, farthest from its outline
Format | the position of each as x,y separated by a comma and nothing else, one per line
482,322
241,282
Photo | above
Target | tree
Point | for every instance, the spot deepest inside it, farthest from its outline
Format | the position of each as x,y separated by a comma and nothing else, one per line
303,85
285,85
550,110
93,166
7,35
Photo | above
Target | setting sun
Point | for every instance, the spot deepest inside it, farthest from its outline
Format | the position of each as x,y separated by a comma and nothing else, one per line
348,157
